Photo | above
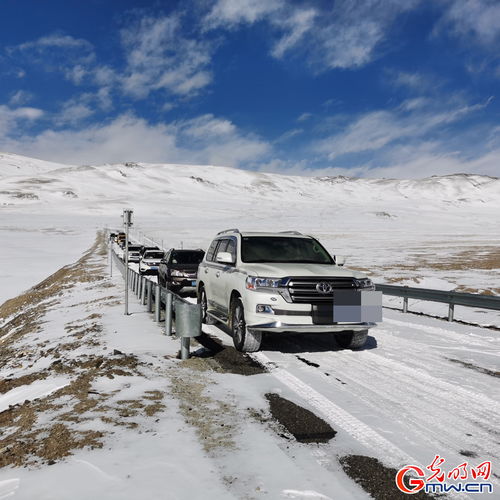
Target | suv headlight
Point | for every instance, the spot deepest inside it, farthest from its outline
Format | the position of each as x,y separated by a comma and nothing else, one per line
364,283
253,282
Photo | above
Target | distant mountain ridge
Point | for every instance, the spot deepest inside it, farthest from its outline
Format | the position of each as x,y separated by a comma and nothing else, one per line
27,181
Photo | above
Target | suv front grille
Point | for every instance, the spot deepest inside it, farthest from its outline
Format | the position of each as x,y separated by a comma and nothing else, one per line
303,290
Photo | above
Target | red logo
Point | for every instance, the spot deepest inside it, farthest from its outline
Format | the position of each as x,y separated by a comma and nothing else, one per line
415,484
464,478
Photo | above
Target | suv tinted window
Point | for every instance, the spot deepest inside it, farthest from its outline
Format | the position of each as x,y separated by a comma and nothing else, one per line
222,246
231,248
211,250
283,249
186,257
152,254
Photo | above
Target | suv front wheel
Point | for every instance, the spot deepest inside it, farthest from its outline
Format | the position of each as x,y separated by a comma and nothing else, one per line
352,340
243,340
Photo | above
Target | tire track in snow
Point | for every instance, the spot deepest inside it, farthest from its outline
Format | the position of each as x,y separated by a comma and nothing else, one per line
364,434
441,420
488,343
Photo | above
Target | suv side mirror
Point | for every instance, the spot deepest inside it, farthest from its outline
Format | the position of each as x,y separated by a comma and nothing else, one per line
340,260
224,258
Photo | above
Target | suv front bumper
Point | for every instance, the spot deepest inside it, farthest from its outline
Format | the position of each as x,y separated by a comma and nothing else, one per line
278,326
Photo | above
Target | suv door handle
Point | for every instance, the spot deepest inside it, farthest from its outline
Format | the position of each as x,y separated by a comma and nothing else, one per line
217,274
206,271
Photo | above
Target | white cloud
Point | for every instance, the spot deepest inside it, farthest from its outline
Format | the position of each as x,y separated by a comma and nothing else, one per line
20,97
409,163
27,113
157,57
207,126
76,74
104,75
205,139
289,134
73,57
74,111
415,81
56,40
230,13
415,103
296,26
477,20
341,34
160,57
304,117
411,121
12,118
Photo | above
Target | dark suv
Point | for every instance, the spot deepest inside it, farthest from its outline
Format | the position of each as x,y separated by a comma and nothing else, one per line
178,268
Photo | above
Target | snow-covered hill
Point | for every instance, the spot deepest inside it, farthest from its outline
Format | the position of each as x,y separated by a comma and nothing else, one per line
34,182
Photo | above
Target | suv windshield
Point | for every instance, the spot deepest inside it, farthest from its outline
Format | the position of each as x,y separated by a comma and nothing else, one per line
187,257
283,249
153,255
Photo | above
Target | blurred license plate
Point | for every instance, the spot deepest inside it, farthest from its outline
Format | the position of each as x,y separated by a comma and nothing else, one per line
193,283
357,307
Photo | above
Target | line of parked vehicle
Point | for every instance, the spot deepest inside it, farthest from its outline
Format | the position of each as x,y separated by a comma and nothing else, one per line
258,283
176,268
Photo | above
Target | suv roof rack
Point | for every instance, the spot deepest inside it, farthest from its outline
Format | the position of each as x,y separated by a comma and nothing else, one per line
228,231
291,232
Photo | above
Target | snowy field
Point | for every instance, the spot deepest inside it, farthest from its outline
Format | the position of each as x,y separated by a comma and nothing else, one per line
150,426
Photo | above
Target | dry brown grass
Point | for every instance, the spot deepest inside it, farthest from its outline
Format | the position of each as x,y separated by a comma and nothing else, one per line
208,416
24,440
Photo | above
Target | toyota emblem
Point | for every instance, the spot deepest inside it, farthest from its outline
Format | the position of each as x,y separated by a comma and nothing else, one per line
324,287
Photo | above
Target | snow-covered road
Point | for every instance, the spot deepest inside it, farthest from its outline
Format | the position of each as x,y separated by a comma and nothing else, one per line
420,388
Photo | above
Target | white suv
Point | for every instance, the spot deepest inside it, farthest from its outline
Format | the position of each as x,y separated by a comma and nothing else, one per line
283,282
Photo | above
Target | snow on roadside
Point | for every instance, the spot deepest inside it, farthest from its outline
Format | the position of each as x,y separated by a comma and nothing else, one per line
134,421
35,390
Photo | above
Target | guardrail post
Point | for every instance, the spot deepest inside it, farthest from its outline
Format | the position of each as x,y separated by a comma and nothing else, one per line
168,313
157,303
137,284
185,344
143,289
405,304
145,282
150,296
187,324
451,310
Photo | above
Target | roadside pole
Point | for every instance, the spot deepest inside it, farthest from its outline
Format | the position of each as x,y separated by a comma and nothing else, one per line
110,256
127,222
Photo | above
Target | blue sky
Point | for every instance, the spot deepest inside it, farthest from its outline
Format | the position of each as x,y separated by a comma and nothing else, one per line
372,88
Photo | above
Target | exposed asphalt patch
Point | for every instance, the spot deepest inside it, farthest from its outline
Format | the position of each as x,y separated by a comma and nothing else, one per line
307,362
468,453
479,369
304,425
375,478
226,359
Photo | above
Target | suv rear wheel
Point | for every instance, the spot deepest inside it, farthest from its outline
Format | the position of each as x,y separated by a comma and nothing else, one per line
243,340
352,340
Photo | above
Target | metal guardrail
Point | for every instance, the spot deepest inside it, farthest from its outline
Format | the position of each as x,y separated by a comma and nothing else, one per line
447,297
185,315
188,323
